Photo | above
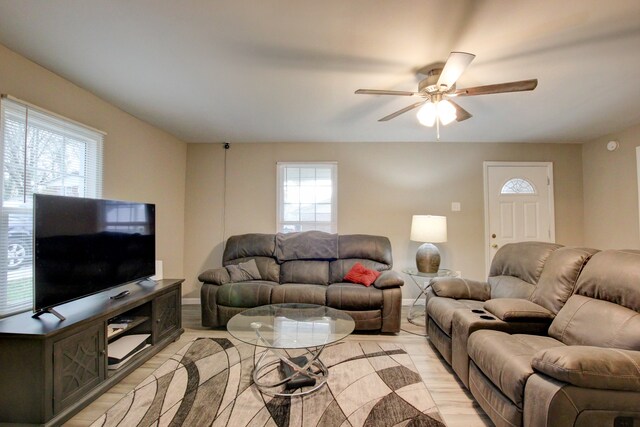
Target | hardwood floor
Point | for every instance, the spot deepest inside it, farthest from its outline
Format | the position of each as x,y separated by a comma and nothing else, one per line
455,403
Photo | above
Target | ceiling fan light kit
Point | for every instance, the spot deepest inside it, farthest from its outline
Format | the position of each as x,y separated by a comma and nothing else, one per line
427,114
443,111
439,85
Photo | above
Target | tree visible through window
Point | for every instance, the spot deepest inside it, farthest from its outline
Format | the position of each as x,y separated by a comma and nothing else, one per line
307,197
40,153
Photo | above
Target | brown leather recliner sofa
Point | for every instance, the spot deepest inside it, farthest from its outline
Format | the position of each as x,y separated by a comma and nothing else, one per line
306,267
528,284
585,372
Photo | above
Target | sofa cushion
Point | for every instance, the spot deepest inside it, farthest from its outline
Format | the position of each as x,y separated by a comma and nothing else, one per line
518,310
441,310
352,296
312,272
459,288
591,367
590,321
245,294
604,310
389,279
523,260
306,245
559,277
244,271
300,293
215,276
268,267
375,248
249,245
612,276
510,287
361,275
506,359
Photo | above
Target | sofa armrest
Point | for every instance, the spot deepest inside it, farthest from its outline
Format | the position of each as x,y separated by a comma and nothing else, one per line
518,310
591,367
457,288
215,276
389,279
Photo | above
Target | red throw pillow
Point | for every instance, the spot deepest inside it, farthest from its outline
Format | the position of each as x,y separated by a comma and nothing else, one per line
361,274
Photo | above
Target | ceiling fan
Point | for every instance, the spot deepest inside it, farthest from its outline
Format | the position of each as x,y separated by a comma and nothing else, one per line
439,86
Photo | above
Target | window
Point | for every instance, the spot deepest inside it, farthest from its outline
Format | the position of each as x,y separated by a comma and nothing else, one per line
517,186
307,197
40,153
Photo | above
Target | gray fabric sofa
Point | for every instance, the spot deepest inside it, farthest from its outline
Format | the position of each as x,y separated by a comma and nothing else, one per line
584,372
528,284
306,267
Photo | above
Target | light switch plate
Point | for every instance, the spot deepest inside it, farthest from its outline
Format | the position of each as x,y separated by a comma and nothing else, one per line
455,206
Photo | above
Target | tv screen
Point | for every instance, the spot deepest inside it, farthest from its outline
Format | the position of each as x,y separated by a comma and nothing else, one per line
84,246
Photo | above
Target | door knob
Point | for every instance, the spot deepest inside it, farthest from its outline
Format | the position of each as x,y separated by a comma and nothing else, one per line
494,246
493,236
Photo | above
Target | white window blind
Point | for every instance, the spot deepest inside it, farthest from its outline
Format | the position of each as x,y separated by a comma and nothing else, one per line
41,153
307,197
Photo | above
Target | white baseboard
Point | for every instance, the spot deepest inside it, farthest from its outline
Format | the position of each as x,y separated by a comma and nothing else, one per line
190,301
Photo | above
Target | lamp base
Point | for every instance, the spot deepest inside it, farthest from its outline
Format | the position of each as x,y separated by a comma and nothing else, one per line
428,258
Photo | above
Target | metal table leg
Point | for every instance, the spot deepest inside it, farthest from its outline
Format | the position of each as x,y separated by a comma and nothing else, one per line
314,368
416,311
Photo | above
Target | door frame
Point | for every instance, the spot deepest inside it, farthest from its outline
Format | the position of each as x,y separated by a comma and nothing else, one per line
485,171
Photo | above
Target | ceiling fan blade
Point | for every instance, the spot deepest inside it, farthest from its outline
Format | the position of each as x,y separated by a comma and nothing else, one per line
520,86
385,92
404,110
453,68
461,113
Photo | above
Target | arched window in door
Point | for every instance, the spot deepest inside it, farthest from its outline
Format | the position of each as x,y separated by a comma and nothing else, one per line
518,186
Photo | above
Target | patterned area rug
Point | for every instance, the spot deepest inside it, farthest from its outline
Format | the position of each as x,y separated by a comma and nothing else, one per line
208,383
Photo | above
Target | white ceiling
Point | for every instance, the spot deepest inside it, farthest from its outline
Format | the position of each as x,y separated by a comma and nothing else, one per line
286,70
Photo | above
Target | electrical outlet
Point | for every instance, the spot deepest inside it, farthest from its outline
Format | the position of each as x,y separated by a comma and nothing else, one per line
455,206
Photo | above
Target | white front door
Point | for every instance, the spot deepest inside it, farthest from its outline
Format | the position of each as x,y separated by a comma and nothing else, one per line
518,204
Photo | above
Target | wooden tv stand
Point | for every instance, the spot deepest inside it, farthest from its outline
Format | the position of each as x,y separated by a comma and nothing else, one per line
50,369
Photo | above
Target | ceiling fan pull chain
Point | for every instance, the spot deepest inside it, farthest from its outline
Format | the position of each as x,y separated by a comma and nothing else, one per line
437,129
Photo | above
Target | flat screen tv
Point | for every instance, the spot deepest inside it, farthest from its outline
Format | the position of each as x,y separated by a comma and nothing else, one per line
84,246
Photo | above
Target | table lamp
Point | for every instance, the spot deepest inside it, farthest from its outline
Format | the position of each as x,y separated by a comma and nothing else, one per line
430,229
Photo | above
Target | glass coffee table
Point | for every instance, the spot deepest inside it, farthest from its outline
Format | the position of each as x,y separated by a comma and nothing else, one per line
279,328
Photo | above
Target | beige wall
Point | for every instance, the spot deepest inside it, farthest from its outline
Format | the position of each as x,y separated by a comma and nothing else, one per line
141,163
611,192
381,185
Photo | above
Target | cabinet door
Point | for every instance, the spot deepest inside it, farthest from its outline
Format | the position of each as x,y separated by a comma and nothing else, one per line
166,315
78,365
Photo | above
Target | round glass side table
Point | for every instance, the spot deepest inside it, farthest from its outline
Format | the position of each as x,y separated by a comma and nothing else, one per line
417,312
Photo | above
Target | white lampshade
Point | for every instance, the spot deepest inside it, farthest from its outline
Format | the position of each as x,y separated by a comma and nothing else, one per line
432,111
427,114
429,228
446,112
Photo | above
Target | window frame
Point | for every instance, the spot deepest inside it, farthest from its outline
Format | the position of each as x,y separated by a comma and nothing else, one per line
280,222
92,177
